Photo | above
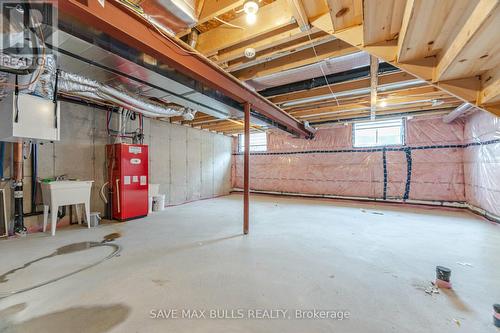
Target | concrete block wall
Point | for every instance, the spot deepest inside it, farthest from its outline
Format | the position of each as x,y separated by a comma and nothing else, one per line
189,164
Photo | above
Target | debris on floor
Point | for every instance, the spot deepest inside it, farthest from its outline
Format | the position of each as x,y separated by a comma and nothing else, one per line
456,321
429,289
372,212
432,289
159,282
464,264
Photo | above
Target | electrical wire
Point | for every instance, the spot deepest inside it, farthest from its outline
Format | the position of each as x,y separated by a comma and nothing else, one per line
316,54
229,24
42,65
39,73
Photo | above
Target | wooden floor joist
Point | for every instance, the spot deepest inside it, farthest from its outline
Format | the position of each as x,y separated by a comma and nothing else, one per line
448,51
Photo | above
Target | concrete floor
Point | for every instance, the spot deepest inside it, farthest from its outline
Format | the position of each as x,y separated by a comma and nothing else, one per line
371,260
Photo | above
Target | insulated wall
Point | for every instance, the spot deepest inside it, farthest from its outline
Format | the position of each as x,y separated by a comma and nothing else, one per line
188,164
482,162
428,167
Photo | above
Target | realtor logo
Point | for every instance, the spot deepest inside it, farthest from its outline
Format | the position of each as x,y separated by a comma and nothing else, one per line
26,27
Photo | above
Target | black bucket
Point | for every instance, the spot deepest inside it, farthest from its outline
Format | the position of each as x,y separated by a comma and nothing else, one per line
496,315
443,273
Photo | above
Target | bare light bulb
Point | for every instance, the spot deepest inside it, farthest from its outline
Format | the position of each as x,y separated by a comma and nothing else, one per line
251,7
383,104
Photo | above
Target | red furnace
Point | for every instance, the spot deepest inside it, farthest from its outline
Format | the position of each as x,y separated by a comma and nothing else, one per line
128,180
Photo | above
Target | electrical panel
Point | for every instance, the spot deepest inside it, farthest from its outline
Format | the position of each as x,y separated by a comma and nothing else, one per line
26,116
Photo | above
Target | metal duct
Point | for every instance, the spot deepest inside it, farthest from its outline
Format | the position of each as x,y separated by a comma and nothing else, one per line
81,86
328,66
4,78
460,111
182,9
169,15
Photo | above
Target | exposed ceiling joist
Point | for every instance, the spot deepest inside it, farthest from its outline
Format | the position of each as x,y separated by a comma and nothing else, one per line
278,52
450,49
364,103
429,25
382,20
342,87
299,13
345,13
490,92
466,89
214,8
271,17
364,115
474,37
418,93
335,48
274,39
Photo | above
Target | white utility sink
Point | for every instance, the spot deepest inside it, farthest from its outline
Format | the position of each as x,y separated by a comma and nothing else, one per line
64,193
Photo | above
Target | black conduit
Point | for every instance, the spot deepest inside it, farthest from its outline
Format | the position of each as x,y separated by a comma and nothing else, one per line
408,173
384,161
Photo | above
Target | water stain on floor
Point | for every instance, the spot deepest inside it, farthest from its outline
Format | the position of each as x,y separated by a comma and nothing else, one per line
67,249
95,319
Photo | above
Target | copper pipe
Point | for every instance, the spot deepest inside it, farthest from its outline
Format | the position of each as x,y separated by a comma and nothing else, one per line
246,171
19,227
18,162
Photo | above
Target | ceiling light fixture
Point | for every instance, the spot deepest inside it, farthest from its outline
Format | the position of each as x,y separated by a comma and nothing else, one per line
249,52
251,8
383,103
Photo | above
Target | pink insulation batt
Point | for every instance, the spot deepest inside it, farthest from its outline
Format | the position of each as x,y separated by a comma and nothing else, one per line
443,166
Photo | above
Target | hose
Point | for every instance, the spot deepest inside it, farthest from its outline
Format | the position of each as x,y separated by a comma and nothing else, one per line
101,192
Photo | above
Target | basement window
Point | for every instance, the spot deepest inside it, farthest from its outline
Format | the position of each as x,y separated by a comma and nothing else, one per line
379,133
258,142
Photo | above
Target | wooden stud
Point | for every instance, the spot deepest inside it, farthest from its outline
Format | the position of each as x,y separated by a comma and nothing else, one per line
373,86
